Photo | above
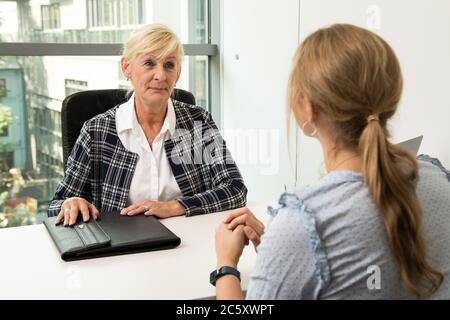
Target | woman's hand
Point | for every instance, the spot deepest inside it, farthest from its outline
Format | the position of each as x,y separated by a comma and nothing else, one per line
70,209
160,209
229,245
253,228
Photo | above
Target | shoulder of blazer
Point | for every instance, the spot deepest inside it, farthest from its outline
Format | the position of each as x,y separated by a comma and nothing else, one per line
187,114
103,125
107,118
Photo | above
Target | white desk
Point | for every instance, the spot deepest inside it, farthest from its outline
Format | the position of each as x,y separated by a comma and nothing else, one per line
31,267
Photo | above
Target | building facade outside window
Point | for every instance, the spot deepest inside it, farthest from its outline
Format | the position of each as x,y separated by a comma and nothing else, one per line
73,86
115,13
4,132
4,115
102,13
131,12
2,87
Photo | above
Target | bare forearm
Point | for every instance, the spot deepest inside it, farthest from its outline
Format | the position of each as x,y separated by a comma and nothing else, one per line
228,287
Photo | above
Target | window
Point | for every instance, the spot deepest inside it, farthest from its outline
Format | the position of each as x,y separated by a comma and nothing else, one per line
198,13
73,86
2,88
200,75
4,117
102,13
115,13
70,67
107,21
4,132
6,163
131,12
50,16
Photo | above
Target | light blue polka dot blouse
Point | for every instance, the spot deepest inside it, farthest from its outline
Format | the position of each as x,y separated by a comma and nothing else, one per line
328,241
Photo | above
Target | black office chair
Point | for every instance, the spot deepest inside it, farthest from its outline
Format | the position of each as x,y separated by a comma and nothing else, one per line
82,106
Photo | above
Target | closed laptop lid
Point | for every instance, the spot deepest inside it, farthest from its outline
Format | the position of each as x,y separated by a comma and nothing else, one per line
412,145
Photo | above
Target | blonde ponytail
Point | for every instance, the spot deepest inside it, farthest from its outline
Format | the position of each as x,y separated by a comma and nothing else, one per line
348,74
390,173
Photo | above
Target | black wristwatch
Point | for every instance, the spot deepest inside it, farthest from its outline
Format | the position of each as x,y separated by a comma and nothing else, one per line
216,274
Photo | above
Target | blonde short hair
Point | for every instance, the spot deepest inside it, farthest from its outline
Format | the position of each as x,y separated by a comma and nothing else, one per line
153,38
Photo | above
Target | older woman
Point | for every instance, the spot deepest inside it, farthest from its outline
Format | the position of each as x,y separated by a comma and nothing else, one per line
376,226
137,157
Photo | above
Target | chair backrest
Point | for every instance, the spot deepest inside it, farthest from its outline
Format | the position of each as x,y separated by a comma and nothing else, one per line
82,106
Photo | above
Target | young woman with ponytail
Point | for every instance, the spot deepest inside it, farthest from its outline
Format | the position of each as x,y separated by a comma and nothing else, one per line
377,225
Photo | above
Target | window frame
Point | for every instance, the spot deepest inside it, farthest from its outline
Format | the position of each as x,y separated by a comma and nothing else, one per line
74,85
48,12
3,87
96,19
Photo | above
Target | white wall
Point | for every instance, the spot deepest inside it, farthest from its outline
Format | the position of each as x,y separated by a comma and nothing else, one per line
264,35
258,40
419,32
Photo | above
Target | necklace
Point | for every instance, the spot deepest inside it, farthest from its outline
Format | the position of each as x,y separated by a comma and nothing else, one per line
343,161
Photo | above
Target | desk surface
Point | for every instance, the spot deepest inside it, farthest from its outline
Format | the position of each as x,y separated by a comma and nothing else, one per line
32,268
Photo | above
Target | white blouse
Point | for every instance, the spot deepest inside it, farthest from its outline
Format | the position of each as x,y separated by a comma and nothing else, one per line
153,178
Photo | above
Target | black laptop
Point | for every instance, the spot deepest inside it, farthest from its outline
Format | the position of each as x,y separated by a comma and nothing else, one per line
112,234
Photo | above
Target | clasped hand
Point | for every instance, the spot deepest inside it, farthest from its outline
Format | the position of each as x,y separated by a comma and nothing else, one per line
236,231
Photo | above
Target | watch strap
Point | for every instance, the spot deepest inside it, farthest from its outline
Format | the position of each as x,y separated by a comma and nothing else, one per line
216,274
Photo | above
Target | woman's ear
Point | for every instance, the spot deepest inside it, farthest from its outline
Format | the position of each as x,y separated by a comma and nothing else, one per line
309,111
125,66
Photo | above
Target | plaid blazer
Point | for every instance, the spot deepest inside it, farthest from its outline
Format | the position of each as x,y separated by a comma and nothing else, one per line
100,169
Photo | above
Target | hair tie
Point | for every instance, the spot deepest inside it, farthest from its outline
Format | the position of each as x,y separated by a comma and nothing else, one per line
373,117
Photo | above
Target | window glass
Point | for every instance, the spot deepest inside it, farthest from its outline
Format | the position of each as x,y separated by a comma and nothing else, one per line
31,159
100,21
